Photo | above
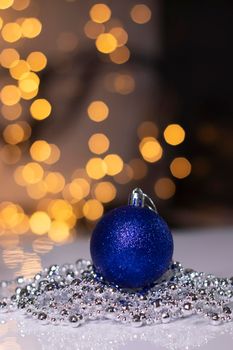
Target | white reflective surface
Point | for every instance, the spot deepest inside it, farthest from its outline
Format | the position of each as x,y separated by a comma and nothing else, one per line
204,250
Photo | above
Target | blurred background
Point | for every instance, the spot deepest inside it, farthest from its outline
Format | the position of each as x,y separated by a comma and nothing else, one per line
99,98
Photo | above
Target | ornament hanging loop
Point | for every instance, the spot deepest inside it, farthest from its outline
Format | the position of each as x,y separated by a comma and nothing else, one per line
138,198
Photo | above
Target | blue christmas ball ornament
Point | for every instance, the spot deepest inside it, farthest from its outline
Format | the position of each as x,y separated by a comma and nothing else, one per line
132,246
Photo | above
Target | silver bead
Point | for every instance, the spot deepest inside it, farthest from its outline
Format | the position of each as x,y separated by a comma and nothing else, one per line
165,317
215,319
187,309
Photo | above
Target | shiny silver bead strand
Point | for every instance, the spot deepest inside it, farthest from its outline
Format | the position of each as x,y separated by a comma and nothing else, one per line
75,294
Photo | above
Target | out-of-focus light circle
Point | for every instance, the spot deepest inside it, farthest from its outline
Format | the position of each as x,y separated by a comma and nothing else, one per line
79,189
114,164
98,143
32,173
40,150
139,168
40,109
106,43
37,191
20,5
4,4
20,70
11,32
37,61
147,128
55,182
59,231
98,111
10,154
30,83
10,95
105,192
120,55
140,14
124,84
125,175
40,223
180,167
93,209
60,210
93,29
9,57
165,188
11,112
67,41
13,134
55,154
150,149
1,22
100,13
96,168
120,34
174,134
31,27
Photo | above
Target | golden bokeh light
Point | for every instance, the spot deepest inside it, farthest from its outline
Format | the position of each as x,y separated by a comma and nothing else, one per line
29,95
98,111
40,150
139,168
20,70
96,168
11,32
55,154
29,84
150,149
40,223
18,176
105,192
37,61
20,5
180,167
98,143
55,182
125,175
79,189
174,134
100,13
60,210
59,231
93,209
11,112
37,191
114,164
4,4
10,154
13,134
106,43
10,95
120,55
120,34
164,188
1,22
93,29
9,58
140,14
147,128
32,173
31,27
40,109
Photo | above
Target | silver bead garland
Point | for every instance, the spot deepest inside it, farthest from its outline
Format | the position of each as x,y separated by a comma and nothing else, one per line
75,294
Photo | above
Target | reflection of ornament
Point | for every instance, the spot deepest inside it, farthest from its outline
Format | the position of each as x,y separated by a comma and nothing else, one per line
132,246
